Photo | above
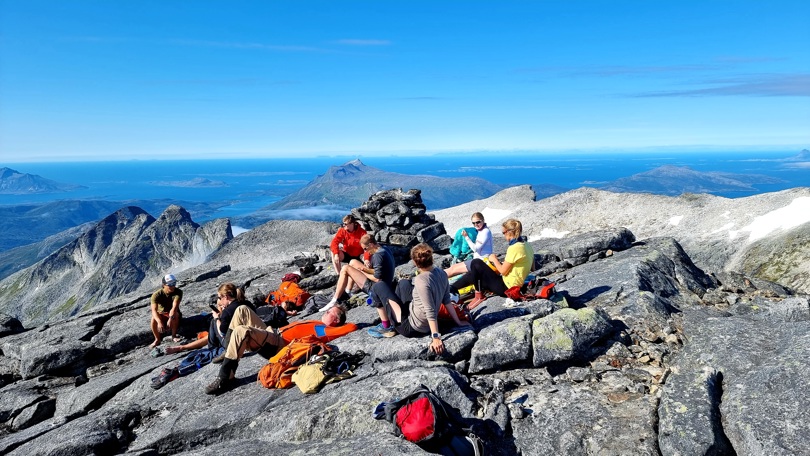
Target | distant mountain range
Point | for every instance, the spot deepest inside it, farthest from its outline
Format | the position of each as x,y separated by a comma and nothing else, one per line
674,180
15,182
352,183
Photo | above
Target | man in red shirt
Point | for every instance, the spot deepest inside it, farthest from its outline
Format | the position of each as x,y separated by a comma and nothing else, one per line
345,245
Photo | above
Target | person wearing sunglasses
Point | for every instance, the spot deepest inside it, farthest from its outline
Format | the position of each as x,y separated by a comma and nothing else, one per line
517,264
165,309
482,247
345,245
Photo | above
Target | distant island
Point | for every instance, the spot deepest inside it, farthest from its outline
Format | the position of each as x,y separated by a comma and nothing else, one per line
674,180
353,182
197,182
13,182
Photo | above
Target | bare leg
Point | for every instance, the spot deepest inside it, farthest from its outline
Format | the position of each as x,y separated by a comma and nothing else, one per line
456,269
199,343
174,324
156,333
336,261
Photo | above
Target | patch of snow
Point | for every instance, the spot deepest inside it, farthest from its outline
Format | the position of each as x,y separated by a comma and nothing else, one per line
549,233
726,227
675,220
237,230
493,216
726,214
790,216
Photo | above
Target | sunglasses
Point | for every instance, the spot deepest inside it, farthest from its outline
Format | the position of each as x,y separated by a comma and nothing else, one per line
347,224
477,222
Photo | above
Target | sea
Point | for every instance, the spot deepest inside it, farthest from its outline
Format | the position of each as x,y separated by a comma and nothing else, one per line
243,186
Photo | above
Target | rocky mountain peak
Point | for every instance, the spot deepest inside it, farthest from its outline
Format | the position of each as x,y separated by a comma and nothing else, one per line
125,251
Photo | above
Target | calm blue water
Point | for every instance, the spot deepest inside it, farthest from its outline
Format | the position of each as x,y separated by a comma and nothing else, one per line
252,184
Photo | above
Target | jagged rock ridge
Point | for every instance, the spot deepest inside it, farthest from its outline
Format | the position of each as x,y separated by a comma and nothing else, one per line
120,254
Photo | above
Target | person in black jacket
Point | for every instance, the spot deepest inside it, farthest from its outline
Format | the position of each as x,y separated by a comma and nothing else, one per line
229,297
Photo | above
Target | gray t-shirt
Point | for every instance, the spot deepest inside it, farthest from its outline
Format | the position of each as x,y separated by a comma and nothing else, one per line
430,290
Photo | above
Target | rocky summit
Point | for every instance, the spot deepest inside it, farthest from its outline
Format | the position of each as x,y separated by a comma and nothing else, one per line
652,344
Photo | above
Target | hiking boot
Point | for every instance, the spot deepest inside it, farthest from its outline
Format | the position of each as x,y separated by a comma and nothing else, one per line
477,300
224,380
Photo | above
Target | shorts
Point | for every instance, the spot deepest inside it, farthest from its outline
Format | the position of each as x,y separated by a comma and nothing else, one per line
165,315
347,258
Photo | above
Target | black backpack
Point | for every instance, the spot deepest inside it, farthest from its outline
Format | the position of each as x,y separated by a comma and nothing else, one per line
273,316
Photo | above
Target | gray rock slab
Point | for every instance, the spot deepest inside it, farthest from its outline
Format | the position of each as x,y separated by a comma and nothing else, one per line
108,432
503,344
495,310
341,410
36,413
457,346
98,390
11,441
385,444
576,420
37,359
567,334
641,286
125,332
764,373
690,415
17,396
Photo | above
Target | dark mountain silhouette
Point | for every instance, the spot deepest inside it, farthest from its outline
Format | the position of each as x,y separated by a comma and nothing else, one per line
15,182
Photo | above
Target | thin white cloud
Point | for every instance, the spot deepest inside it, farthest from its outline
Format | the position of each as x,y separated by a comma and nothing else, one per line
356,42
785,85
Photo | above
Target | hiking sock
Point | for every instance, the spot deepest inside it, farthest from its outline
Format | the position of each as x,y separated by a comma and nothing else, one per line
386,324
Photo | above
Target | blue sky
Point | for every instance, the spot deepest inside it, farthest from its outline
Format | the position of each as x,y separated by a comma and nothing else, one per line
98,80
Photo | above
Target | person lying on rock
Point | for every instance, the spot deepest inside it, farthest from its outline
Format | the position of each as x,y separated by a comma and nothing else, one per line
250,334
379,270
430,291
482,247
165,305
229,298
345,245
497,277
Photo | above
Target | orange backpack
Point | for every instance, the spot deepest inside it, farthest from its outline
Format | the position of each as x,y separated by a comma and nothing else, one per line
278,371
288,292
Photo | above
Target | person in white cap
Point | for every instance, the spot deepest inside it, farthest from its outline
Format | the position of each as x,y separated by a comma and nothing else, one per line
166,309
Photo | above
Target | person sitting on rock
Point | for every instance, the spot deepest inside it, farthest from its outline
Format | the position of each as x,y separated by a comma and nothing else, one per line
482,246
430,291
229,298
165,304
345,245
499,277
250,334
380,269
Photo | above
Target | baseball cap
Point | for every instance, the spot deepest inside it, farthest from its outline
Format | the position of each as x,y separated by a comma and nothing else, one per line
169,280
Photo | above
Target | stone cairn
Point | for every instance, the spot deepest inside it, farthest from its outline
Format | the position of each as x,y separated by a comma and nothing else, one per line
399,220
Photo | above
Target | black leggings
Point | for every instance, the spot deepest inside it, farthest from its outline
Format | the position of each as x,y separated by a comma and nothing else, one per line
482,277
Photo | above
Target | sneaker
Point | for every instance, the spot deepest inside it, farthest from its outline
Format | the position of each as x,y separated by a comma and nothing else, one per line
453,298
166,375
378,332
